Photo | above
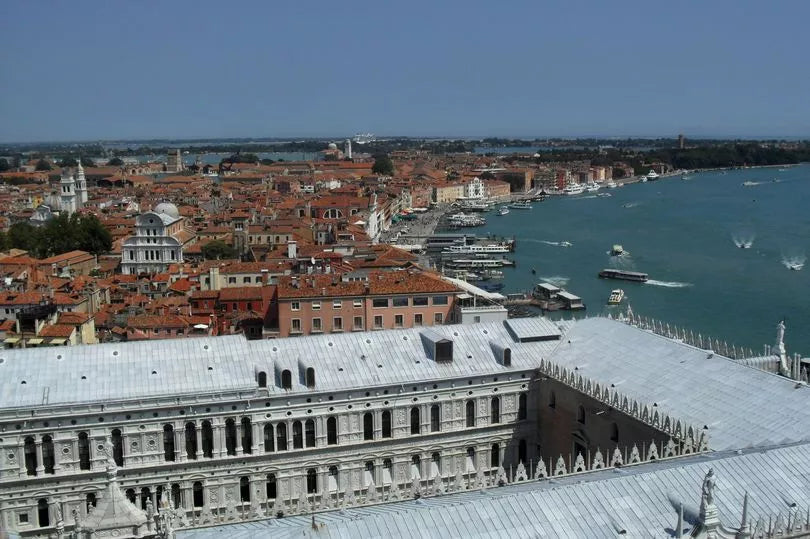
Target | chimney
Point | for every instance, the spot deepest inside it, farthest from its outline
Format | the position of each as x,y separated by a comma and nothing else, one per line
292,249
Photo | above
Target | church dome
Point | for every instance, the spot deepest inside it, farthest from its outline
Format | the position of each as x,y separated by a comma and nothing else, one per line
168,208
332,146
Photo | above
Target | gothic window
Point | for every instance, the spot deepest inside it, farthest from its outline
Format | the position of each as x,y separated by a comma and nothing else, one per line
281,437
435,418
207,439
552,400
312,481
368,426
146,494
268,438
309,433
262,379
298,435
48,460
30,456
168,442
470,415
130,494
522,450
271,487
614,433
581,414
191,441
436,463
386,424
197,494
495,456
286,379
43,513
310,376
84,451
247,436
244,489
90,501
334,479
521,407
495,410
230,436
415,420
118,447
331,431
507,357
176,495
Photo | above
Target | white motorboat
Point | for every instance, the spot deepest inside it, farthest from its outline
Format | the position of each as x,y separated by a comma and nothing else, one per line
652,176
521,205
503,211
592,188
574,189
616,297
611,185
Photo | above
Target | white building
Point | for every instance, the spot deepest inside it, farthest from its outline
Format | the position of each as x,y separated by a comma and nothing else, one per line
158,241
67,193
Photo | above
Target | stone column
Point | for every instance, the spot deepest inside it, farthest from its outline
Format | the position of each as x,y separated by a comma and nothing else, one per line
257,439
40,465
187,497
180,443
21,458
238,427
199,441
219,435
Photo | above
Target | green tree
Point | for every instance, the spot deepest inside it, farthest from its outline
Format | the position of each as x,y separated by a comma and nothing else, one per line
67,162
4,166
217,250
383,166
92,236
23,236
115,162
87,162
43,165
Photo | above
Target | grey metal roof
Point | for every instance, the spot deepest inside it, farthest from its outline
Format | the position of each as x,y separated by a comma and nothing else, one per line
528,329
137,370
742,406
640,500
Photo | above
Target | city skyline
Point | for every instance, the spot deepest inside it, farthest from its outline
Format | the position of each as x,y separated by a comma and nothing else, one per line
121,71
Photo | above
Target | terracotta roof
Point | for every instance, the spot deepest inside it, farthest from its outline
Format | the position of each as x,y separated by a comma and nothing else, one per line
58,330
379,283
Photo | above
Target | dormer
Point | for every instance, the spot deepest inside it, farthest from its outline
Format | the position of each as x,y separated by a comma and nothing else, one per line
283,376
438,347
306,374
502,352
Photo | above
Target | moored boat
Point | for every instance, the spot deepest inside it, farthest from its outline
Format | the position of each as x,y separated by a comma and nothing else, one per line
521,205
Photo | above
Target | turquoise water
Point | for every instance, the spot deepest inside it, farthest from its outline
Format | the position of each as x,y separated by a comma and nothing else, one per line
680,232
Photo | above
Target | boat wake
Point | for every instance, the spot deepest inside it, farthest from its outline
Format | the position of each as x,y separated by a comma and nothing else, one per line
556,280
669,284
631,204
743,242
795,263
553,243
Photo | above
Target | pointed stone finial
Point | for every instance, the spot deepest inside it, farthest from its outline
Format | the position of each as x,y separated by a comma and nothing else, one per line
708,510
598,461
679,525
744,524
559,468
617,460
579,463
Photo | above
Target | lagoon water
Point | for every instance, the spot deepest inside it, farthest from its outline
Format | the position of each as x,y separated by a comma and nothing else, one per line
682,233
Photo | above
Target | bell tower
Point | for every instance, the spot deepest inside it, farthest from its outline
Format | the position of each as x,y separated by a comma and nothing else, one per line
67,193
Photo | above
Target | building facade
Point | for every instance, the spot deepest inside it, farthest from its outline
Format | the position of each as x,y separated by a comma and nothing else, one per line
158,241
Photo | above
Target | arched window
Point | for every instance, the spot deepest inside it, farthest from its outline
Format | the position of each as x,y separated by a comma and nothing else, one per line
581,414
507,357
90,501
471,453
552,400
43,513
309,433
48,460
522,450
268,438
146,494
84,451
495,456
521,407
247,436
207,439
176,495
470,413
286,379
386,424
130,494
197,494
614,432
415,421
118,447
30,456
312,481
244,489
262,379
435,418
168,442
281,437
436,461
297,435
495,410
334,479
230,436
331,431
310,376
271,487
191,441
368,426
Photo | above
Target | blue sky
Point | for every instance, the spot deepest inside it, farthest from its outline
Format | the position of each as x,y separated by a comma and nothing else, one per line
111,69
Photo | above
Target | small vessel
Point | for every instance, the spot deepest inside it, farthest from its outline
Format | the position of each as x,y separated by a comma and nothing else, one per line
642,178
592,188
503,211
624,275
617,250
574,189
602,195
611,184
521,205
795,266
565,244
616,297
749,183
686,177
652,175
534,271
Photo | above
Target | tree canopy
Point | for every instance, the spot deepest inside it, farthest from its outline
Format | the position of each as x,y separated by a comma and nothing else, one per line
42,164
60,235
115,162
383,166
217,250
4,166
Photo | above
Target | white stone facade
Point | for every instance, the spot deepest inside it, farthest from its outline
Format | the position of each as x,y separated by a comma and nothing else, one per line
157,243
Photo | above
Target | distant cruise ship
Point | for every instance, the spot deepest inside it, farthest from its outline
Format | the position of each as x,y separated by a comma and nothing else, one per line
364,138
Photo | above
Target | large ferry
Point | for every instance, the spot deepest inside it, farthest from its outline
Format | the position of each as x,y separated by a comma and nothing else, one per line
464,220
624,275
574,189
521,205
492,248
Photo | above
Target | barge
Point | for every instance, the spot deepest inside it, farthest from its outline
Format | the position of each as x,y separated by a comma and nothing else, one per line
624,275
